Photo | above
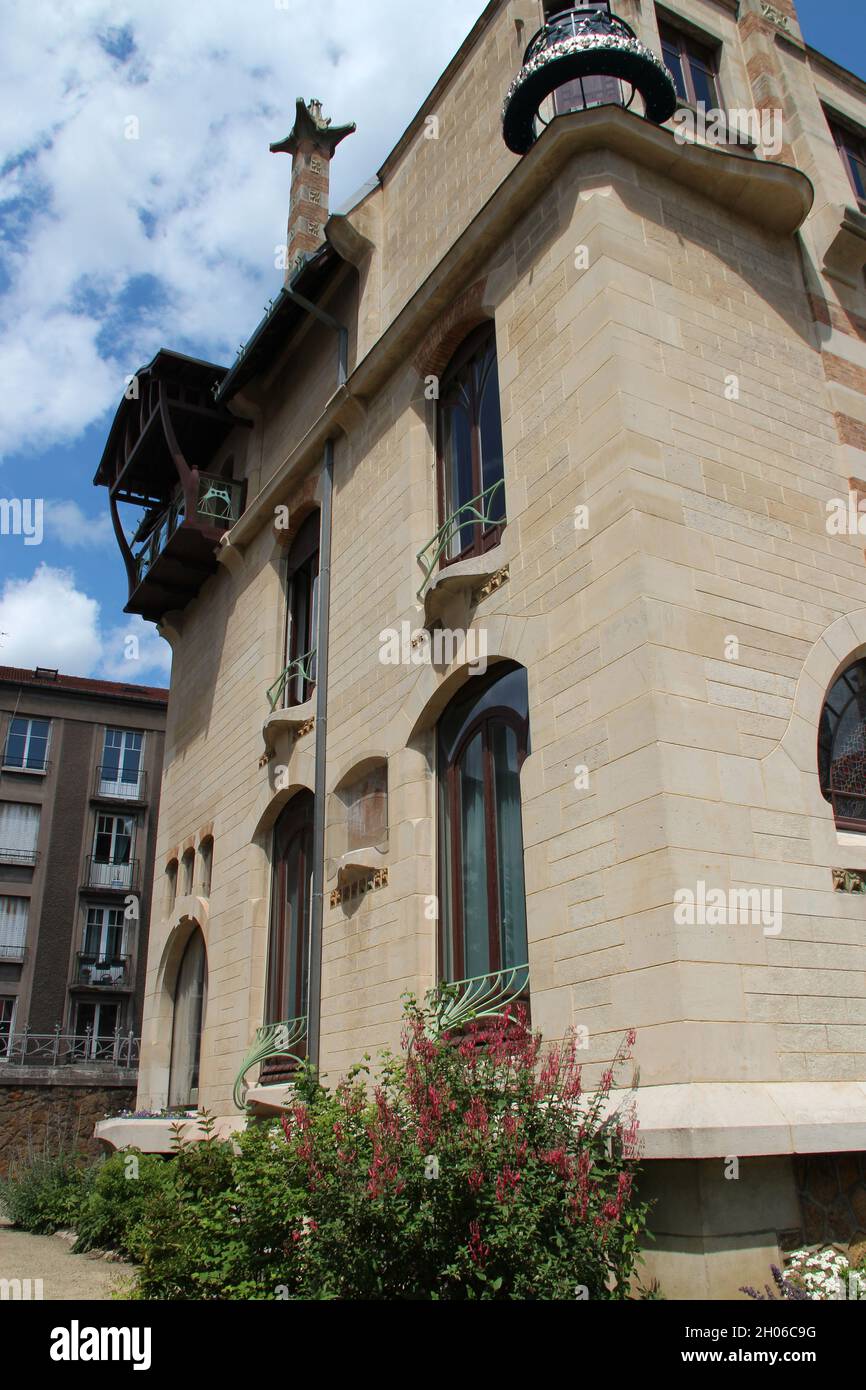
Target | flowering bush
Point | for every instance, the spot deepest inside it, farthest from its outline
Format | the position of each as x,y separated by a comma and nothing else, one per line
816,1275
475,1168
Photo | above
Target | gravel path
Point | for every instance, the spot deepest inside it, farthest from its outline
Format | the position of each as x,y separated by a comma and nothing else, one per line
63,1275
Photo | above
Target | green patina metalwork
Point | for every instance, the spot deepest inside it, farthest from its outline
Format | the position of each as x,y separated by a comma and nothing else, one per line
302,666
478,511
273,1040
219,500
481,996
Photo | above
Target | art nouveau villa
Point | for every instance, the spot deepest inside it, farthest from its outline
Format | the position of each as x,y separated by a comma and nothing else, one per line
514,641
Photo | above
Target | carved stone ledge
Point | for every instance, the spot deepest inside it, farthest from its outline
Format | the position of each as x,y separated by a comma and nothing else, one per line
360,886
849,880
490,586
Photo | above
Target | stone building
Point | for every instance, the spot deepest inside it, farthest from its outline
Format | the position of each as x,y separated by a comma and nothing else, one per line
79,791
515,583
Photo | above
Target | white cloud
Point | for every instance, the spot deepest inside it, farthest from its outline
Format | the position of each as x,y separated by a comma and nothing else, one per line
47,621
69,525
192,209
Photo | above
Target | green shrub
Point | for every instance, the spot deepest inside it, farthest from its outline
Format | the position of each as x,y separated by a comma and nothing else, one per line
476,1169
44,1192
115,1198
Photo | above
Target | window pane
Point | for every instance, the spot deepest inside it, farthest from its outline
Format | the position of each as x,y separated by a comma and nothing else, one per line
473,852
671,55
13,927
509,846
457,468
704,84
190,1000
490,438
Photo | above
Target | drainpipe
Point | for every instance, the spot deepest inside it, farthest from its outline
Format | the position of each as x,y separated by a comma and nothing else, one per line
317,905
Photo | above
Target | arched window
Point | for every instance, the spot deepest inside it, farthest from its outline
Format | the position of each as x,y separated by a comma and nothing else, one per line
469,449
302,586
190,1005
289,947
842,747
483,738
205,870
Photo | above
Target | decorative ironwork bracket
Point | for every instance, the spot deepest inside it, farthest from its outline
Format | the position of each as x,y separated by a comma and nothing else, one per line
273,1040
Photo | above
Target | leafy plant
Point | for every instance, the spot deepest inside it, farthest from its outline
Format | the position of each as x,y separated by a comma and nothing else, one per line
43,1192
115,1198
474,1167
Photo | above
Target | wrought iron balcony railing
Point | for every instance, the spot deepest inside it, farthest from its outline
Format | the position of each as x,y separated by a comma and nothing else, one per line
18,856
481,996
585,43
487,510
103,971
105,873
114,783
284,1040
220,502
303,671
59,1049
12,950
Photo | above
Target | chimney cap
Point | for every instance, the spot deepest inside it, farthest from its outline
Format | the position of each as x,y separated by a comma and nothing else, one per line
310,125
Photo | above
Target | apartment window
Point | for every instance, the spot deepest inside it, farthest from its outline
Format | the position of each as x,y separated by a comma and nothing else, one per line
103,959
288,954
842,747
7,1022
469,447
13,927
19,832
27,744
96,1025
302,591
482,742
190,1007
112,851
120,769
692,65
852,148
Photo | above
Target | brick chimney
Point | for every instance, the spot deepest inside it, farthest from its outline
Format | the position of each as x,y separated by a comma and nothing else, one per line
311,143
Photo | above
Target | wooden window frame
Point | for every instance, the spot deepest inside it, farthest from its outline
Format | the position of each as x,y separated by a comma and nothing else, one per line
302,565
851,145
478,342
688,44
295,821
449,775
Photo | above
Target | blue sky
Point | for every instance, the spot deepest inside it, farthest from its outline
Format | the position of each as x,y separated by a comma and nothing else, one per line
114,247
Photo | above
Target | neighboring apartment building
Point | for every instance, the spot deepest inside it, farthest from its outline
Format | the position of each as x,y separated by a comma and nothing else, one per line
576,405
79,792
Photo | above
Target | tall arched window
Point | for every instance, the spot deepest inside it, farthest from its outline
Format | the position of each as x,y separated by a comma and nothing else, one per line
190,1005
842,747
469,449
289,946
302,585
483,738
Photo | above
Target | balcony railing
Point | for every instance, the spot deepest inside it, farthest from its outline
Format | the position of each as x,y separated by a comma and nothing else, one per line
119,784
286,1039
18,856
59,1049
482,996
220,502
303,670
103,972
487,510
12,950
103,873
